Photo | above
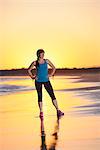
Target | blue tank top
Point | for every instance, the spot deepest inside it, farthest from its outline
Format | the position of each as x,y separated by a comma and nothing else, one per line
42,72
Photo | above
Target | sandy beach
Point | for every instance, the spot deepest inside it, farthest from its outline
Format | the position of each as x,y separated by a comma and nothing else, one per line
78,129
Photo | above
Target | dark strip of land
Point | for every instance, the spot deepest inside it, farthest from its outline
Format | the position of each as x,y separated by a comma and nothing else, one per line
61,71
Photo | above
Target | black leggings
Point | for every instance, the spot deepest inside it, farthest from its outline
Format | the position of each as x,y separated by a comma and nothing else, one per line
48,88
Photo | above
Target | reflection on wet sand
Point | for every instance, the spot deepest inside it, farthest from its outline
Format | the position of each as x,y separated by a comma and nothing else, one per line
53,144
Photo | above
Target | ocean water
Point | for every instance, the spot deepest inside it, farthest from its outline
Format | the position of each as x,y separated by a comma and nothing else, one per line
90,91
12,84
20,126
9,84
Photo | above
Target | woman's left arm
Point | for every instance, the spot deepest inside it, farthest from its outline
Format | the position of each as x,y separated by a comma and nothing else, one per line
52,66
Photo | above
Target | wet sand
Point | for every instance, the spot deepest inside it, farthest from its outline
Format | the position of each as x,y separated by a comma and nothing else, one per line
78,129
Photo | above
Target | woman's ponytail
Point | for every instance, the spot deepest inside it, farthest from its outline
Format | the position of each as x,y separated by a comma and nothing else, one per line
37,63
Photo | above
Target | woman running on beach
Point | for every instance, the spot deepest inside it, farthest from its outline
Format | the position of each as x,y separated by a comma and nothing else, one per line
42,77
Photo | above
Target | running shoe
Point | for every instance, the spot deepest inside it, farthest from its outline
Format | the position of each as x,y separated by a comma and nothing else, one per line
59,113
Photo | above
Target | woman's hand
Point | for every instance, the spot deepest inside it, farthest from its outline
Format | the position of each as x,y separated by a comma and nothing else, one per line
33,76
36,77
49,75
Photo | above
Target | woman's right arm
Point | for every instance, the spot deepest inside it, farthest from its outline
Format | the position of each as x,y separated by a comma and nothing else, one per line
32,65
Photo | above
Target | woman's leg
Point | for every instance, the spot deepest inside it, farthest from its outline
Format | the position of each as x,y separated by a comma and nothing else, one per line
50,91
38,86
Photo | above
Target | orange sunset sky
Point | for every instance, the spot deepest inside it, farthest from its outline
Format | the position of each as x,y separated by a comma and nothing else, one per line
68,31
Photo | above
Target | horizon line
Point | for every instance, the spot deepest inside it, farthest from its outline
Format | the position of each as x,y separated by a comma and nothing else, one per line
56,68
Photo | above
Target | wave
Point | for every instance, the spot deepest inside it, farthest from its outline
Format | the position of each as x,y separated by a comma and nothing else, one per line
8,89
3,79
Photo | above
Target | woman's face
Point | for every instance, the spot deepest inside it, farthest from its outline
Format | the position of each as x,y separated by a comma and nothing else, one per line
42,55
